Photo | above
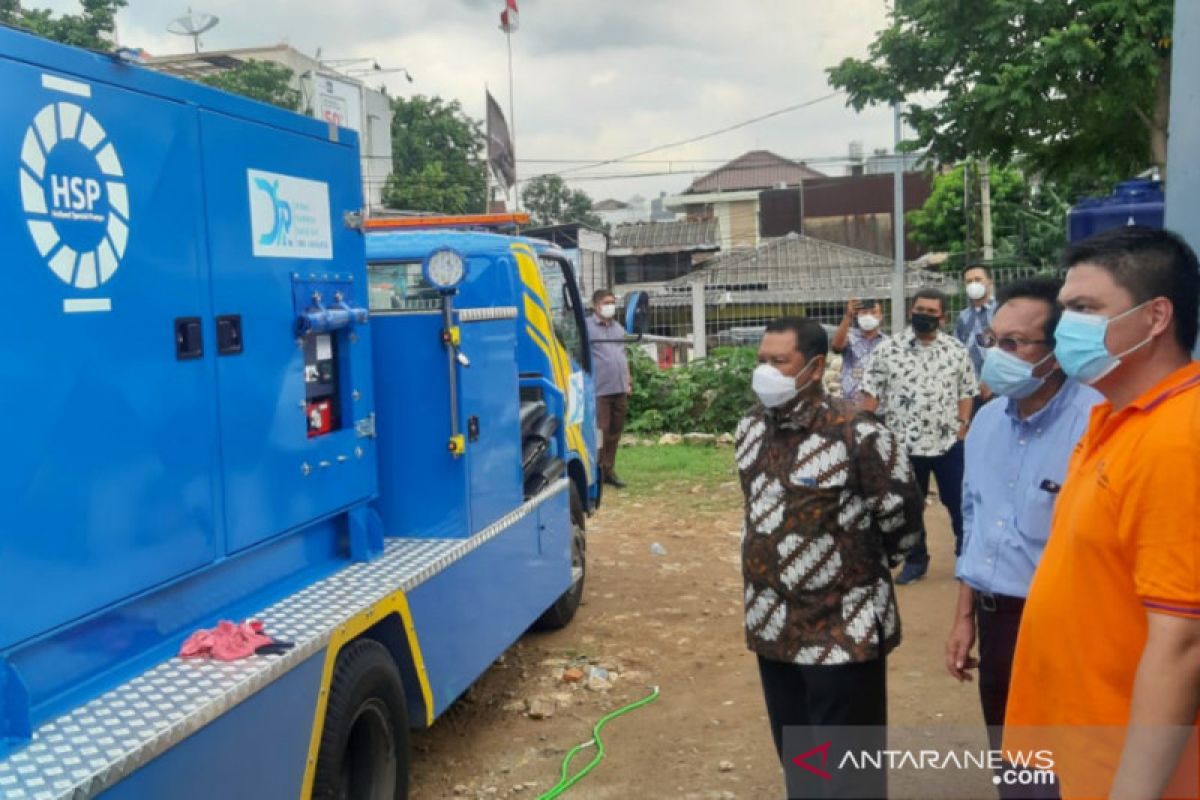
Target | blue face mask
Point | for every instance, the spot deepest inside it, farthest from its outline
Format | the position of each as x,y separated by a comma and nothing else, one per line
1008,375
1080,348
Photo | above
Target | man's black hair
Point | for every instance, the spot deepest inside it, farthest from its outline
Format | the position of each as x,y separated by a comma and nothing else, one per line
970,267
1147,263
930,293
1044,289
600,294
811,339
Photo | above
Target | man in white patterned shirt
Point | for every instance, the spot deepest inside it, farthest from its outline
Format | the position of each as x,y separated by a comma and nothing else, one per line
924,383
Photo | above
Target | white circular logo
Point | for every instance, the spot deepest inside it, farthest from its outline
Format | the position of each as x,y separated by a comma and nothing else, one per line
74,194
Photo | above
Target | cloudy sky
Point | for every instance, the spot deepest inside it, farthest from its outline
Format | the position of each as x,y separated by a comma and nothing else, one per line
595,79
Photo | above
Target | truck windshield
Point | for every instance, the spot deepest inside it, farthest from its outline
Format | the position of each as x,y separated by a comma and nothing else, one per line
400,286
564,315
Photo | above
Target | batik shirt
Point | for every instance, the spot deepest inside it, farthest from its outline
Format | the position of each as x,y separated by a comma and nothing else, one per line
830,507
918,387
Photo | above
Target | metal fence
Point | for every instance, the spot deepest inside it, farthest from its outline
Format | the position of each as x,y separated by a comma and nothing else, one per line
687,321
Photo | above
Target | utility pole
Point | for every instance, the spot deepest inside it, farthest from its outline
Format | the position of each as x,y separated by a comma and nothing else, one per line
985,209
897,223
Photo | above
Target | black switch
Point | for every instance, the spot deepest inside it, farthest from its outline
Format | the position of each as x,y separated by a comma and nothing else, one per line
229,334
189,342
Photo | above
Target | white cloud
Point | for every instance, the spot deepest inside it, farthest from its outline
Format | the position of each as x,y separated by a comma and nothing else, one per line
595,79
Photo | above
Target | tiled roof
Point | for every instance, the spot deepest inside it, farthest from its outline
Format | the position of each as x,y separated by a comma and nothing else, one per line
638,238
609,205
799,269
758,169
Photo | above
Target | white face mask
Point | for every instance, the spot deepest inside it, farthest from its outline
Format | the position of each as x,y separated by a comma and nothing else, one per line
608,310
976,290
868,322
774,388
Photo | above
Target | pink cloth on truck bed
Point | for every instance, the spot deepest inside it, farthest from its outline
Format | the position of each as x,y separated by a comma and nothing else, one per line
226,642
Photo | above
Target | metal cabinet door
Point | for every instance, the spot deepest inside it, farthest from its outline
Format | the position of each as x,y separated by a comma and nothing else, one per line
107,480
276,478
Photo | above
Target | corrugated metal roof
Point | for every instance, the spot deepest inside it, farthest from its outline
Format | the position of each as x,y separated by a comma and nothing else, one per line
639,238
758,169
798,269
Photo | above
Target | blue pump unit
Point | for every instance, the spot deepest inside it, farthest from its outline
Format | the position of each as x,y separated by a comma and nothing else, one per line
188,401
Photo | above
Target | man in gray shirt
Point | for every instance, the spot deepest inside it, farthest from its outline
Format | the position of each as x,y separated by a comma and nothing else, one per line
610,369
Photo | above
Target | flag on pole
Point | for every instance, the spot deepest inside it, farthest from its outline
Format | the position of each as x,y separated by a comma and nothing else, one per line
508,17
499,145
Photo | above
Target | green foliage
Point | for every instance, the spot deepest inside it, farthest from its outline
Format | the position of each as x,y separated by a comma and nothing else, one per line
672,474
706,396
264,81
437,158
1073,88
91,28
550,201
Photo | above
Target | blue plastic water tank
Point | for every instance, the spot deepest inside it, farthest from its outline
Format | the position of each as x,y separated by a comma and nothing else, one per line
1136,202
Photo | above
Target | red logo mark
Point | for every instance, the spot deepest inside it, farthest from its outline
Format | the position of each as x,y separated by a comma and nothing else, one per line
802,760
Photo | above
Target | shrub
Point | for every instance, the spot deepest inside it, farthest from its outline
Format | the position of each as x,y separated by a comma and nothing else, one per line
708,396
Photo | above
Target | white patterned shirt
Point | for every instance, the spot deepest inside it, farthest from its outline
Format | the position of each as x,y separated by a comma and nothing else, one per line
918,387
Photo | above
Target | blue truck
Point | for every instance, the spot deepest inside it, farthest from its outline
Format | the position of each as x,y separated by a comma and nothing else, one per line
225,398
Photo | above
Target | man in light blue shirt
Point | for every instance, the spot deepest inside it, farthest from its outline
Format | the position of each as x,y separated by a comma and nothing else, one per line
974,320
1015,462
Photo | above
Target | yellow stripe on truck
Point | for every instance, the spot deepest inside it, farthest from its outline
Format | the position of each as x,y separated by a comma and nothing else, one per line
537,313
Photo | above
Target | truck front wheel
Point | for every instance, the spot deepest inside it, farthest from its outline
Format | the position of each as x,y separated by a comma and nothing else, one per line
364,742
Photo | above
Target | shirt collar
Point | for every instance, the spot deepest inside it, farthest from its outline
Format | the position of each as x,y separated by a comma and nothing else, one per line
1047,413
1182,379
800,413
909,338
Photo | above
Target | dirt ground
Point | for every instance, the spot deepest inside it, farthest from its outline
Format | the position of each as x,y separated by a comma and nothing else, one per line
675,621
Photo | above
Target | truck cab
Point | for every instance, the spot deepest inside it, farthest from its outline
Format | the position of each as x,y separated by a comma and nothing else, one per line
530,286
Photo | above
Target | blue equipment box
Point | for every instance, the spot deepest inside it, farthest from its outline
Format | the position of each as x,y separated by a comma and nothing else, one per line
188,402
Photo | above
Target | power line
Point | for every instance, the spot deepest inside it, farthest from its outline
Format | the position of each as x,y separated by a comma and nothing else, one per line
703,136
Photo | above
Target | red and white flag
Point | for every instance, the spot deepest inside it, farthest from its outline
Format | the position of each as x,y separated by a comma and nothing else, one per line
508,17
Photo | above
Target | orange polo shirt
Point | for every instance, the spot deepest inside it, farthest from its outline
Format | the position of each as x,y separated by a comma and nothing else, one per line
1125,541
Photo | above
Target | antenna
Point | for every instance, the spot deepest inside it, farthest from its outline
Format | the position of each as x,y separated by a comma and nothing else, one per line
193,24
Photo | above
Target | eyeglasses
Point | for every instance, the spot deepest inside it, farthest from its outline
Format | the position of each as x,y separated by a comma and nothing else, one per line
1009,344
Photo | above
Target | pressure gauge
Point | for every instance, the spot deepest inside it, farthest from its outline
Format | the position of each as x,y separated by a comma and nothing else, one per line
445,268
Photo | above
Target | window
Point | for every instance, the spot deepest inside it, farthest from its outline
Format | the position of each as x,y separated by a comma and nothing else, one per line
565,315
400,286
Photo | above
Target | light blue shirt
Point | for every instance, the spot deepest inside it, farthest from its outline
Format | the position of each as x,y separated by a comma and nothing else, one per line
1013,470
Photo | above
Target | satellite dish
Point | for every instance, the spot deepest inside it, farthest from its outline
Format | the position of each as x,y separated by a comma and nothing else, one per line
193,24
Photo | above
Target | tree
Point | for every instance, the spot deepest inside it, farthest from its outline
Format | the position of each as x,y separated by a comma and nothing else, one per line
1028,219
550,201
1075,88
91,28
437,158
259,80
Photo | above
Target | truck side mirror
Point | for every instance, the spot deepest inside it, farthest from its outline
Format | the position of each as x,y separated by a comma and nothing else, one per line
637,313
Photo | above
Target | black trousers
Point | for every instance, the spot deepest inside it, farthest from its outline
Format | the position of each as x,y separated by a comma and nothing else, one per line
948,467
999,620
801,700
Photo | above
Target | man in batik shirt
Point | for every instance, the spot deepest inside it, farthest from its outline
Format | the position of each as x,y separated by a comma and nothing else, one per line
830,506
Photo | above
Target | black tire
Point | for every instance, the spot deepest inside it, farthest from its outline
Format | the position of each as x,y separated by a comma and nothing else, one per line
559,615
364,743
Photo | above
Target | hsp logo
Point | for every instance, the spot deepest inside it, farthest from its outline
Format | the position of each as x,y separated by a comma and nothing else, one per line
74,195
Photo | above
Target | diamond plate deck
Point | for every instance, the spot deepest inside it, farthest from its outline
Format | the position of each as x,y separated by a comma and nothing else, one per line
88,750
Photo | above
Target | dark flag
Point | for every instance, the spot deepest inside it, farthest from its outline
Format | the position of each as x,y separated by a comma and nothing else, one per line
499,145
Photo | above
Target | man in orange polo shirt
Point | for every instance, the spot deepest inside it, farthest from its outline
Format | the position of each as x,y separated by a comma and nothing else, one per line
1107,668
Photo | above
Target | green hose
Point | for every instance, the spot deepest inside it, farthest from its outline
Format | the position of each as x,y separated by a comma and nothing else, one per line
565,782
